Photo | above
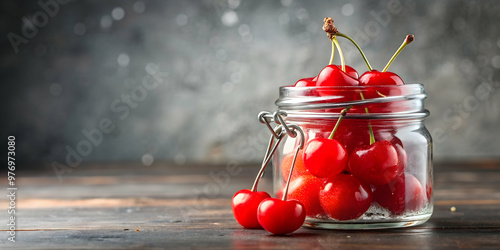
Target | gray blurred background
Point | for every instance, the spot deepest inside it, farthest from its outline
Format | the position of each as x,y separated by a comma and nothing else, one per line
70,67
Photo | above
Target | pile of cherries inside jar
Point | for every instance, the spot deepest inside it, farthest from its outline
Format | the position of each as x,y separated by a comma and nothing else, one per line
341,174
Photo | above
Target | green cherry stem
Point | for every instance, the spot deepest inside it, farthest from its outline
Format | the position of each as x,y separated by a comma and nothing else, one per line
333,53
342,114
408,40
334,40
359,49
372,137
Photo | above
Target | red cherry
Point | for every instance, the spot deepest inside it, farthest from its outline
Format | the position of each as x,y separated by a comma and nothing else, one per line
281,217
371,92
376,164
306,190
405,193
350,71
377,78
398,145
332,75
352,134
385,91
344,197
299,168
324,157
306,82
245,204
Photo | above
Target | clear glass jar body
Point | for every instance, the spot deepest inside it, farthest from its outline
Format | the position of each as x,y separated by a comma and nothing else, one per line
395,115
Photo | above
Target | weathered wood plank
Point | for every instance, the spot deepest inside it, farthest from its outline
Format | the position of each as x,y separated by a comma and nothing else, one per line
178,208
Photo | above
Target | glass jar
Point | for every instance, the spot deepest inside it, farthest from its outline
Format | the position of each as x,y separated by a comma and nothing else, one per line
387,187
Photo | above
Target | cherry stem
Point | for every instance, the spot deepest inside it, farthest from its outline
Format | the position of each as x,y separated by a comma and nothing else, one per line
285,192
372,137
408,40
264,164
359,49
342,114
333,53
334,40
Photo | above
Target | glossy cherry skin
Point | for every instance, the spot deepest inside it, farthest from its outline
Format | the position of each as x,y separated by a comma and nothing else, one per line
404,193
398,145
377,78
298,170
324,157
332,75
281,217
344,197
350,71
372,92
352,135
245,204
306,190
377,164
306,82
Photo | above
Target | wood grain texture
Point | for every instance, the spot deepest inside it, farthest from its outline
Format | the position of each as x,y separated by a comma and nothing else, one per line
108,206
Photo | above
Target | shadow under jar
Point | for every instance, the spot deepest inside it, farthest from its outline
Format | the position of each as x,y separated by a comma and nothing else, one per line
384,186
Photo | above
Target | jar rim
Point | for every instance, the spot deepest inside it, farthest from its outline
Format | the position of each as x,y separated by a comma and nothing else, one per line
311,102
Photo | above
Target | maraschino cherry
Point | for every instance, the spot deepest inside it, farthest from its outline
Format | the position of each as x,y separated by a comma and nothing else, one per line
324,157
282,216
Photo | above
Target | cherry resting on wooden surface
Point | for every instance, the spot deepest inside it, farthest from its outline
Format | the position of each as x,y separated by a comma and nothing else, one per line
282,216
279,216
244,204
344,197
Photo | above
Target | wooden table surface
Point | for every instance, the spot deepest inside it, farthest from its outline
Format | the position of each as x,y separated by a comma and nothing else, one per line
167,206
